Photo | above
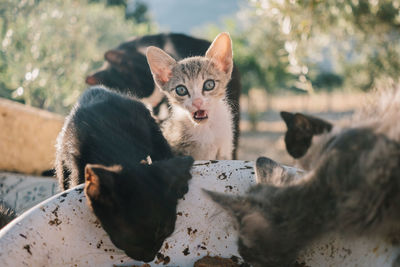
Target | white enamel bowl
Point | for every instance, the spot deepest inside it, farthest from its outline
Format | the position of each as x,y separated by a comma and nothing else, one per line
62,231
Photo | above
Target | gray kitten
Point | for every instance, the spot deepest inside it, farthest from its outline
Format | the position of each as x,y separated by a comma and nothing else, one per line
201,124
353,188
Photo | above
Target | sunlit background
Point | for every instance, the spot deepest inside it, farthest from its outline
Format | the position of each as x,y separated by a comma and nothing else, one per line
317,56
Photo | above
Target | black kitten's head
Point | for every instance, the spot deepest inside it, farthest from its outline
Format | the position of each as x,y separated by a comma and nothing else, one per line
126,71
137,206
300,131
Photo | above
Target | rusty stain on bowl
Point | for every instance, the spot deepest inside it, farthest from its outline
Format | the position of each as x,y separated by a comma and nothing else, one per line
222,176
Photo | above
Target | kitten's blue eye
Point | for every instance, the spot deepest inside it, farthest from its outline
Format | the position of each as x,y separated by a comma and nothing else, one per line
209,85
181,90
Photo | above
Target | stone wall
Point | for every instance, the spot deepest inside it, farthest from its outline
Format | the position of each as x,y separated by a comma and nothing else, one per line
27,138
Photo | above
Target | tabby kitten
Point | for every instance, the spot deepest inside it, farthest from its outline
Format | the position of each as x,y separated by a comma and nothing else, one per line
201,124
126,70
352,188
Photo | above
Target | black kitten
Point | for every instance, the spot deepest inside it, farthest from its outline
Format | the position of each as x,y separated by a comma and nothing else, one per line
7,214
126,70
109,141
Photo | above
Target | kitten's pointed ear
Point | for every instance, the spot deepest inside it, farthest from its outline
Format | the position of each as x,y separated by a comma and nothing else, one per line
320,126
92,182
271,172
287,118
221,51
306,123
92,80
98,177
267,171
95,78
161,65
235,205
302,122
297,120
114,56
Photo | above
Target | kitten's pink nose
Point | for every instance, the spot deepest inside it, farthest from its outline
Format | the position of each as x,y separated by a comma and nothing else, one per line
198,102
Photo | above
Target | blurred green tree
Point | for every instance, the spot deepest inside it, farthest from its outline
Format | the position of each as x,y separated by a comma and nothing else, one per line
48,47
359,38
327,43
138,12
258,50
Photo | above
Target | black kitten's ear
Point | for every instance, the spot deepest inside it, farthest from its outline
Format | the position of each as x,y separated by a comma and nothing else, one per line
319,126
114,57
93,79
306,123
235,205
297,121
311,124
98,177
287,118
175,173
302,122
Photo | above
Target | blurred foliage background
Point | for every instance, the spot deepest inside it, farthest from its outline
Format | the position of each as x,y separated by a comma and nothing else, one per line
311,45
48,46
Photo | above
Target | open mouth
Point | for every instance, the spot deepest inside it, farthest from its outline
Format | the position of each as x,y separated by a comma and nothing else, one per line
200,115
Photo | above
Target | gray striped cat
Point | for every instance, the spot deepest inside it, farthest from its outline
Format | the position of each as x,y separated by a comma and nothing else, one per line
352,186
201,123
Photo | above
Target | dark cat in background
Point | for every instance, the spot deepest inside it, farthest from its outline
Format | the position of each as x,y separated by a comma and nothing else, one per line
108,141
306,136
126,70
352,188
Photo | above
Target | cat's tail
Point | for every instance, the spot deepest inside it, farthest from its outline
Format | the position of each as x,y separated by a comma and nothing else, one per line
7,214
174,174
